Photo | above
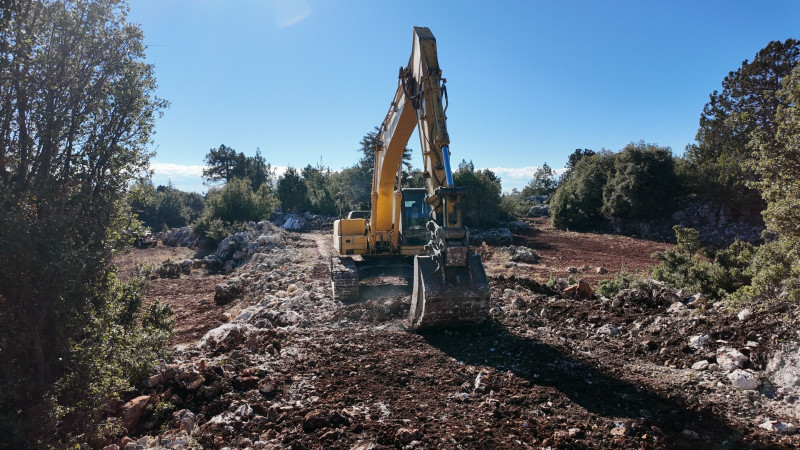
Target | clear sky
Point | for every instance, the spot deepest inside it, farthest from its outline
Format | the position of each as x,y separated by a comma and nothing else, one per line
528,81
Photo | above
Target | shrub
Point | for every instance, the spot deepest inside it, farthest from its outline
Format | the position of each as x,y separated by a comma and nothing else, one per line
623,280
481,206
577,203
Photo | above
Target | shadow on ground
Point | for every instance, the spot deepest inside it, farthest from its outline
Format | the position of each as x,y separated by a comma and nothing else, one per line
584,384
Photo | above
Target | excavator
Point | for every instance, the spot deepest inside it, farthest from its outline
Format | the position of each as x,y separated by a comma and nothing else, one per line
450,286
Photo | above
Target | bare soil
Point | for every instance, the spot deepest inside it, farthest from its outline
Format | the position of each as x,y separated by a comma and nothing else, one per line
537,375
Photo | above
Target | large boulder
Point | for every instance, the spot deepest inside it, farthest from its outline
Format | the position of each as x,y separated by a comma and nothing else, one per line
226,337
783,369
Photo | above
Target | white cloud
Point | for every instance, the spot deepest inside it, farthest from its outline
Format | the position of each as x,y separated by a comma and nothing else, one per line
290,12
169,170
521,173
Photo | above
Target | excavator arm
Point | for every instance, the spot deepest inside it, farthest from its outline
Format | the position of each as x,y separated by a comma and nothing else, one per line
450,284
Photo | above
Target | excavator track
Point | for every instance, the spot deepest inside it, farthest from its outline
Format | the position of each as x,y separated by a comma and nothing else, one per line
344,279
448,296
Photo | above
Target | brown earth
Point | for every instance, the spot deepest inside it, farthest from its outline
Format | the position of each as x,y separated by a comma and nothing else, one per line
537,375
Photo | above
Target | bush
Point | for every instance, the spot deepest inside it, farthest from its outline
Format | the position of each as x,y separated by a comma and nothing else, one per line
577,203
513,204
481,206
230,208
716,275
292,191
623,280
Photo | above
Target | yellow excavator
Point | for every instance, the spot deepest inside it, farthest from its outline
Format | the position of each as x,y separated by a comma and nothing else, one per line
450,285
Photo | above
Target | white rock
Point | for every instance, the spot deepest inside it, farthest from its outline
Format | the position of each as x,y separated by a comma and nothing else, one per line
700,365
780,427
695,301
608,329
699,341
730,358
743,379
745,314
783,368
676,308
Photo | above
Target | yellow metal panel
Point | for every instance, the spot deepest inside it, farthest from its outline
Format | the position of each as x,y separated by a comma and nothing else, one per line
352,226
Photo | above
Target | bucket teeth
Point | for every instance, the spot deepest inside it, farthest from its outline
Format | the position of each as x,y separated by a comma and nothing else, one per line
457,296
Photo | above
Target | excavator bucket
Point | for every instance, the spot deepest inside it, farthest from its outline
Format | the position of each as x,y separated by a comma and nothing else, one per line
447,296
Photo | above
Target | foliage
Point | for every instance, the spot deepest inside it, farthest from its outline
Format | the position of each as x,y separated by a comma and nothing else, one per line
746,106
321,199
643,183
513,204
237,202
481,206
164,206
775,274
292,191
624,280
716,275
577,203
639,182
225,164
543,183
77,112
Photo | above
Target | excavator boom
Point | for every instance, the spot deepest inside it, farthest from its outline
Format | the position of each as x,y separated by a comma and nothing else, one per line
450,284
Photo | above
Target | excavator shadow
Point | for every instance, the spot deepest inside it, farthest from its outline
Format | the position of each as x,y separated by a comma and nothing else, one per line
584,384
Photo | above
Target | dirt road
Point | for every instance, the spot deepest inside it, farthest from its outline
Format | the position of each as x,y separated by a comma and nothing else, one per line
539,374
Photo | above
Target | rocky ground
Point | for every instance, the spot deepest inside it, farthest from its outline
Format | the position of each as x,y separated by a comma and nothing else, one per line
265,358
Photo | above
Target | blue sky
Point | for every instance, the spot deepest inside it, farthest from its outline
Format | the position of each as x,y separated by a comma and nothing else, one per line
528,81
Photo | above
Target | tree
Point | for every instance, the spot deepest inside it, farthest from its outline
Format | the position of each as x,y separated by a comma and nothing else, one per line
292,191
481,206
573,159
225,164
746,105
320,198
577,203
543,182
643,184
77,109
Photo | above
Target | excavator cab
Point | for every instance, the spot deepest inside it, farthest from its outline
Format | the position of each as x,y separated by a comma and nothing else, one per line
415,214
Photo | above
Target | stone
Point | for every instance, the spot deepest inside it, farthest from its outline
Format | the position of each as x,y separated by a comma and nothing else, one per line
745,380
314,421
572,269
608,329
620,431
155,380
601,270
730,359
745,314
523,254
226,292
499,237
700,365
406,435
225,337
676,308
777,426
186,420
783,369
132,411
690,434
631,296
581,290
698,342
696,301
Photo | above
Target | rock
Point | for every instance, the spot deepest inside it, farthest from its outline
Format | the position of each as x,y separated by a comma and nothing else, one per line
539,211
178,237
229,267
523,254
666,296
630,296
620,430
111,447
676,308
745,314
154,381
582,291
499,237
293,223
314,421
601,271
698,342
132,411
460,396
519,226
730,359
700,365
225,337
696,301
186,266
743,379
186,420
575,433
405,435
780,427
608,329
226,292
690,434
713,367
783,369
572,269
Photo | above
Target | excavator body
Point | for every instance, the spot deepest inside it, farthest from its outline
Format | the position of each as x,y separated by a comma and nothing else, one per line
450,286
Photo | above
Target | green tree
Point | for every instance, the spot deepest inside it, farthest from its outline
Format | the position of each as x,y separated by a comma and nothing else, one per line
320,197
225,164
292,191
481,206
578,201
643,184
236,202
77,110
746,105
543,182
573,159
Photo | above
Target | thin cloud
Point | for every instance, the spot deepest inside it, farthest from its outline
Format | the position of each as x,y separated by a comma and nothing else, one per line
290,12
521,173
